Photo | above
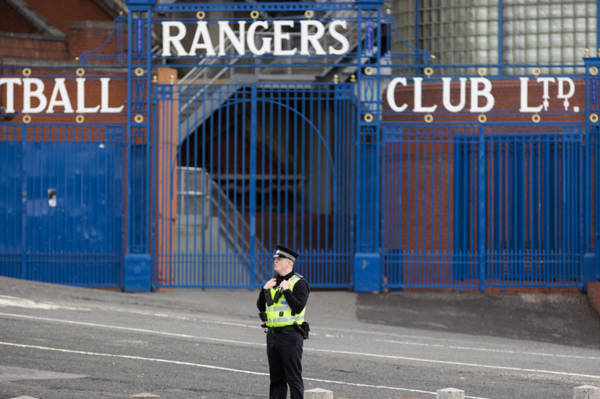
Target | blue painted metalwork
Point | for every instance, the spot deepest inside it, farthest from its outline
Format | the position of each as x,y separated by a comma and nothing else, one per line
62,211
207,176
233,190
117,36
488,236
139,120
481,207
592,173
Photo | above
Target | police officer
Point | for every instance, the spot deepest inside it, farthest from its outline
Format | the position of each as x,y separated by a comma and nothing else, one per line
283,299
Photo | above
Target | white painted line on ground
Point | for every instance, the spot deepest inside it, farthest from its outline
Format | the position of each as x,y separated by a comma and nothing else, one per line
331,351
476,365
177,316
129,329
479,349
212,367
13,301
243,324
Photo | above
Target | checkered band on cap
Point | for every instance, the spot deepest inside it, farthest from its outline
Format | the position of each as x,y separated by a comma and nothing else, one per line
284,252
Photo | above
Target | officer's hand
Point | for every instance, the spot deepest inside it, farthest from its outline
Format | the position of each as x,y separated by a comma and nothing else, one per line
270,284
285,285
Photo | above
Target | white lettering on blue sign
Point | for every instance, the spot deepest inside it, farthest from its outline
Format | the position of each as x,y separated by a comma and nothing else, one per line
258,38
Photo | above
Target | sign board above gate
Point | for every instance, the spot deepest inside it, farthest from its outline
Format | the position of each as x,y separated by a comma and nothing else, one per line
259,37
479,95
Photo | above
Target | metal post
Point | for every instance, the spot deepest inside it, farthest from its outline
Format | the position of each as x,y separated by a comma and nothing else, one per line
367,261
137,265
24,201
252,215
481,208
591,260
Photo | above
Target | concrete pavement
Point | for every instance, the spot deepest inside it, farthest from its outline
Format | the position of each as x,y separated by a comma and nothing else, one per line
207,344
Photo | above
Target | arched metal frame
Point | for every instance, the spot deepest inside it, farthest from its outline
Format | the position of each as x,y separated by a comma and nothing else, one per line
187,261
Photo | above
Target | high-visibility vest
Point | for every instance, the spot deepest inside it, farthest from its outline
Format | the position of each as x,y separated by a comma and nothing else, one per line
279,314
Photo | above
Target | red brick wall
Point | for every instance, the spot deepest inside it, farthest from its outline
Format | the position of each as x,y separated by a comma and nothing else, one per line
59,13
89,35
81,36
41,49
12,21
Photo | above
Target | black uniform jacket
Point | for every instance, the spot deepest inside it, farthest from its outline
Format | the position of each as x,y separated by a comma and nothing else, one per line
295,298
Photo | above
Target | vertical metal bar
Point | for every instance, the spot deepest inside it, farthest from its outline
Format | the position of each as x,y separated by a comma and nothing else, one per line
579,208
596,202
443,147
311,172
418,205
264,175
280,115
556,184
252,214
472,209
384,213
272,121
290,94
358,205
536,206
319,184
587,210
326,133
129,101
547,224
564,178
496,218
187,185
457,189
153,188
335,212
303,168
24,196
294,170
148,230
521,200
215,118
481,208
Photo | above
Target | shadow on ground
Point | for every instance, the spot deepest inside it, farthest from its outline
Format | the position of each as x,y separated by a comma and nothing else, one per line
556,318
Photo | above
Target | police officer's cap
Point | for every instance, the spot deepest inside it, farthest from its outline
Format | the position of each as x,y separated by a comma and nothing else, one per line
283,252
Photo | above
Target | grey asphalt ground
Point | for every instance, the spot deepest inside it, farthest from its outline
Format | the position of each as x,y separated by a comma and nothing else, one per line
66,342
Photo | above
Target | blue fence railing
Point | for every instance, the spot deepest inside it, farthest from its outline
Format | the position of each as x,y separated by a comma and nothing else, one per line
269,163
484,206
62,202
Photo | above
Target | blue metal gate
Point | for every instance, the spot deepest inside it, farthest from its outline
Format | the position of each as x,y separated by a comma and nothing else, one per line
61,206
254,165
251,150
476,206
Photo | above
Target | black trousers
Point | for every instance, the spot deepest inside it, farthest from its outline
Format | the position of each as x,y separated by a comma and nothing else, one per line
284,350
